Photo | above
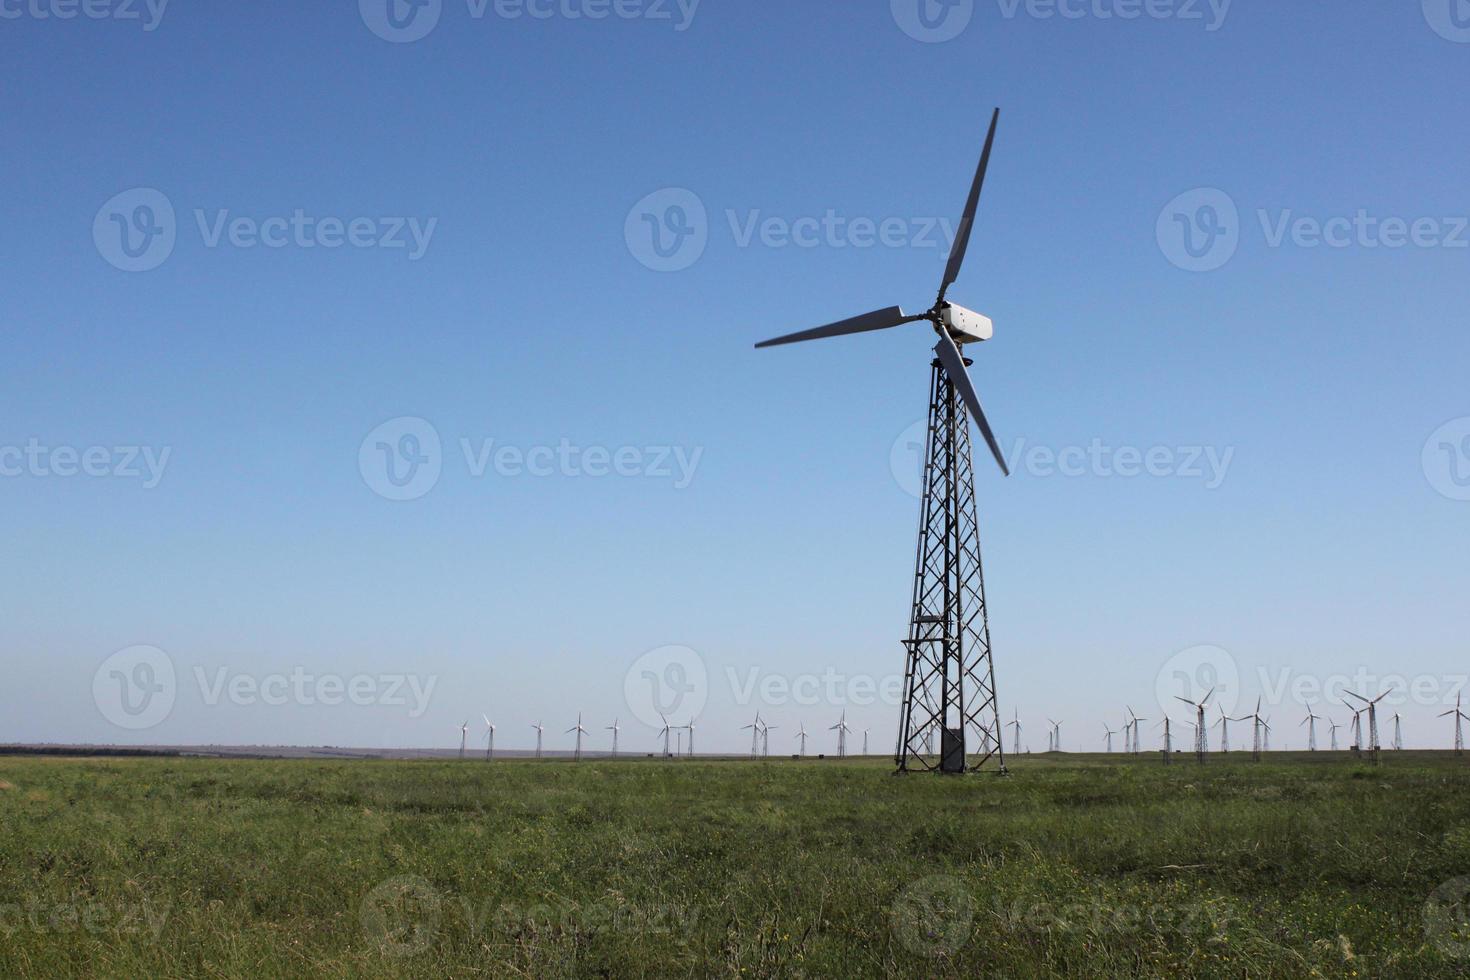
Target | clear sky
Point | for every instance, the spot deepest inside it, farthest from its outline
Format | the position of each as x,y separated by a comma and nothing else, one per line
243,242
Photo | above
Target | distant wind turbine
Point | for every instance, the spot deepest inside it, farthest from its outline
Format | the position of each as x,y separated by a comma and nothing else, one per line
1201,732
841,729
580,732
489,738
1459,729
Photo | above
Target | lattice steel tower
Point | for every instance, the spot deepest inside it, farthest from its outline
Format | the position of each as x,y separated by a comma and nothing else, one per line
949,678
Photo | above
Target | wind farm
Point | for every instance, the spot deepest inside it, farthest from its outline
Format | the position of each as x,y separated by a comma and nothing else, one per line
778,396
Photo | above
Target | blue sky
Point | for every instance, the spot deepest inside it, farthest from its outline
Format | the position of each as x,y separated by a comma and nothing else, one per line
495,173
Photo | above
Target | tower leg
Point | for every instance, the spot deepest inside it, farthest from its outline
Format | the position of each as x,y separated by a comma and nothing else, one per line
949,676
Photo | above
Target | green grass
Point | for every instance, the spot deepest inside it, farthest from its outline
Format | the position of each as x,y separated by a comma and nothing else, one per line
1083,867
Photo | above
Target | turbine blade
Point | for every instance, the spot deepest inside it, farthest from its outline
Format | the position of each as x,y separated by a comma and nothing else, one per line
893,316
972,205
954,367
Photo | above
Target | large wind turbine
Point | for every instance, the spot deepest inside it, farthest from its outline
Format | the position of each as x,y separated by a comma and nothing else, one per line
1016,724
489,738
801,736
614,729
540,729
949,678
464,738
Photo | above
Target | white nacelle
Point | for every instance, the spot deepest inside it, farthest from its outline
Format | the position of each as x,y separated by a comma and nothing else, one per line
966,326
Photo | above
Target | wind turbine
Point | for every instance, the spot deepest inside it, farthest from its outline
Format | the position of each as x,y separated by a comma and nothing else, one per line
1056,735
540,728
1372,720
949,634
1398,732
690,728
1224,724
1257,724
489,738
1168,740
1334,726
1136,743
614,729
666,733
766,731
755,735
1016,724
464,737
1459,729
865,741
1109,736
1357,727
580,732
1201,732
1311,722
801,736
841,729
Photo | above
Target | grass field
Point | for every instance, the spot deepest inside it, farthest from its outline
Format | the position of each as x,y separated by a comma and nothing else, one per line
1073,866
